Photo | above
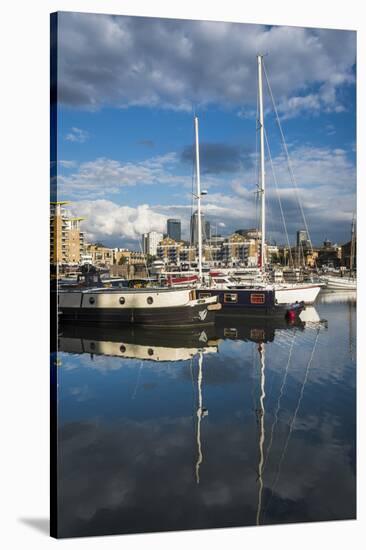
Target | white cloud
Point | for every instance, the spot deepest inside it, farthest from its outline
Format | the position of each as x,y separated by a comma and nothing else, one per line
104,176
326,182
177,64
77,135
105,219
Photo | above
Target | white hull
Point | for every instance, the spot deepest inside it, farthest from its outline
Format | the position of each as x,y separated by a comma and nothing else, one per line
289,294
340,283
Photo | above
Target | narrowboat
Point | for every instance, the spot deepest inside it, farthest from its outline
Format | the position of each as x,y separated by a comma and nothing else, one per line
154,307
254,301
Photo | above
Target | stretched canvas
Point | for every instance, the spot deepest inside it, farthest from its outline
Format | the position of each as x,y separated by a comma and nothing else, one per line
203,274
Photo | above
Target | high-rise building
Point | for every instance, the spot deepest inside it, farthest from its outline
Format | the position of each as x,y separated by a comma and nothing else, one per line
150,242
207,231
174,229
144,242
302,239
194,227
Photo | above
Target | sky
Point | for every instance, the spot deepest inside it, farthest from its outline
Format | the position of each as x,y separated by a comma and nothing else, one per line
128,90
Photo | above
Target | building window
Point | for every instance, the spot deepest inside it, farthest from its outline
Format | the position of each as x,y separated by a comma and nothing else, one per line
230,298
257,298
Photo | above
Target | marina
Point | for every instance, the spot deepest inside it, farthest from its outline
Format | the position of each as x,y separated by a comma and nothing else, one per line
203,275
244,423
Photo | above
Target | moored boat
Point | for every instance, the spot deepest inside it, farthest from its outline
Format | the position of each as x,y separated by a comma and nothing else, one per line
255,302
340,283
285,293
297,292
155,307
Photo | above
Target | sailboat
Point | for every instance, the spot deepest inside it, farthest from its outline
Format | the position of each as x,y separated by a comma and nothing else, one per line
341,282
255,300
285,292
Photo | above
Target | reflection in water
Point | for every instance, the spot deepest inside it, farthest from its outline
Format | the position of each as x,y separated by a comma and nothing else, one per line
337,297
138,451
293,420
201,413
261,349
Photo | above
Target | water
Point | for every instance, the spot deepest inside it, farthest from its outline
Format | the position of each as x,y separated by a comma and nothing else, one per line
241,426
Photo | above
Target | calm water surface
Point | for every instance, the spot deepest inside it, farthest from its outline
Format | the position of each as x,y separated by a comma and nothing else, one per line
239,425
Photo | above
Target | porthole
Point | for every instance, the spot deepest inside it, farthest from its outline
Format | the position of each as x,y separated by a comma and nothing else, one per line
122,300
150,300
122,348
91,300
92,345
150,351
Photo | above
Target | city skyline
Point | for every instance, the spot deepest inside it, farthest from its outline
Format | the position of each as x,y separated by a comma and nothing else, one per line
125,140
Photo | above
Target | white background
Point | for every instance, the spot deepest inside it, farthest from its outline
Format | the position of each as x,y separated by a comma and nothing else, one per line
24,169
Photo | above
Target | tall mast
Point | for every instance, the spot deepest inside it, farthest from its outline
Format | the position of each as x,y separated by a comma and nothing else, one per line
352,255
199,223
262,173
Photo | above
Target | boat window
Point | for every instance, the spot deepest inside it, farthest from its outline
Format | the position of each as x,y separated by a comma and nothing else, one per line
204,294
230,297
122,348
230,332
122,300
149,300
257,298
150,351
257,334
91,300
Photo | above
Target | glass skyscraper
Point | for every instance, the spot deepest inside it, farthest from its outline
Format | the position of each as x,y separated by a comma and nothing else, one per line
174,229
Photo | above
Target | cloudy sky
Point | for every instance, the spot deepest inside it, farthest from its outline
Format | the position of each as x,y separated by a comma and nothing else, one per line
128,88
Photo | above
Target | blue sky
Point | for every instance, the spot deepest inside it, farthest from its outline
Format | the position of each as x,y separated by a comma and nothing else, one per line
129,87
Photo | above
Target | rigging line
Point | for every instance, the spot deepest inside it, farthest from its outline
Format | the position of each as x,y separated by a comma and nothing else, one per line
292,424
137,381
284,145
275,421
278,197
